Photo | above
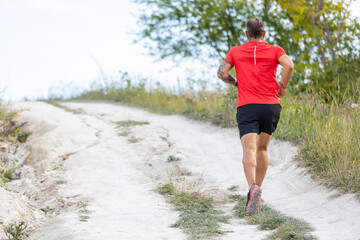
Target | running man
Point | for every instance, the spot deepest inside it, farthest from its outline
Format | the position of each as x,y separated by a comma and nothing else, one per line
258,106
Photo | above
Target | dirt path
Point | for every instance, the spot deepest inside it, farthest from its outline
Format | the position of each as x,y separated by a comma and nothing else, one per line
111,181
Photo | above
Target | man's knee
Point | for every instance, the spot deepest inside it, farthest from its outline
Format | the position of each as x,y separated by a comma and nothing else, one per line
249,158
262,148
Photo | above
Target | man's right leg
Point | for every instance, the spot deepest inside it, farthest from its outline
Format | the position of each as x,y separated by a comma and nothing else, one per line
249,143
261,157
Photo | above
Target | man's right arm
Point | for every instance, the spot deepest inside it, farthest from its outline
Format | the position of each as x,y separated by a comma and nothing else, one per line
288,69
223,73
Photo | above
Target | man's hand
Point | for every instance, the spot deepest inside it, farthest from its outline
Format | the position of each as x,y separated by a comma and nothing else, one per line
288,68
223,73
281,91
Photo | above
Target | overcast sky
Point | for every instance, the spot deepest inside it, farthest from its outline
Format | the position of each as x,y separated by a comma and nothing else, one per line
44,42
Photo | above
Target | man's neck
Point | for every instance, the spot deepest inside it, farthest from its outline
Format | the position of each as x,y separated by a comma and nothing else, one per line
256,40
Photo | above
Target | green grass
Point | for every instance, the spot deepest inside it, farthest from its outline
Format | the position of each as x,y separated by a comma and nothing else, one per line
15,231
133,139
125,128
269,219
5,176
8,175
172,158
130,123
216,106
57,104
10,130
84,213
328,135
124,133
326,131
198,218
233,188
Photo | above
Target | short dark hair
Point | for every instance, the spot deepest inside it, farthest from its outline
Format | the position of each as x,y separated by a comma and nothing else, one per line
255,28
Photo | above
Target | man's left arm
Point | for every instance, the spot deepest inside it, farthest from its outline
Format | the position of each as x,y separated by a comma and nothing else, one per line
223,73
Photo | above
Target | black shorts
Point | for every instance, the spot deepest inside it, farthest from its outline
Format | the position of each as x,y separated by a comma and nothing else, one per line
257,118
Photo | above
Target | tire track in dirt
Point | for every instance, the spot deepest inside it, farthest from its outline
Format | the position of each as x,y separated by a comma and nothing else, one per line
109,198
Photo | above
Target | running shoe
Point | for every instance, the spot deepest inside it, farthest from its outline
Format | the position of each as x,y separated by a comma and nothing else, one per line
253,201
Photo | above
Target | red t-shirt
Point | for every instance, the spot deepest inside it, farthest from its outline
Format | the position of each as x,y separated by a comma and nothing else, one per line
255,65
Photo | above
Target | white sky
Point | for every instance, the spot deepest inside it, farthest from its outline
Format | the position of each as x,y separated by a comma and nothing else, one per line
46,42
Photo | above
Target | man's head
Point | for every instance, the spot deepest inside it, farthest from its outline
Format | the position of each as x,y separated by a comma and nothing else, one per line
255,29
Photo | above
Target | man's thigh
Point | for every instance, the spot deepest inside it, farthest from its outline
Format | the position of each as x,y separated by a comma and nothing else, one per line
249,141
263,141
248,118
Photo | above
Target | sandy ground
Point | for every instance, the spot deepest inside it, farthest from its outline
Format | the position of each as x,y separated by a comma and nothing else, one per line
102,186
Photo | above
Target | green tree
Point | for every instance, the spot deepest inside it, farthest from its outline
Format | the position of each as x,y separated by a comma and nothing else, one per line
319,35
330,40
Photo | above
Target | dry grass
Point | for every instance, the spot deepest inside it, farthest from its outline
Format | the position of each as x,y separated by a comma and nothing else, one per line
198,217
327,132
283,227
328,135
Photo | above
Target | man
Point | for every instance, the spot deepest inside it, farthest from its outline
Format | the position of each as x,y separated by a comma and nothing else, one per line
258,107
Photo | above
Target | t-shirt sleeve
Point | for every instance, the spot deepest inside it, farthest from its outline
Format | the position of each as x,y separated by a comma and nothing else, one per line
279,53
229,58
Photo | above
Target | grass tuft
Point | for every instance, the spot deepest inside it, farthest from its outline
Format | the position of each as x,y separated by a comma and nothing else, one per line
233,188
292,229
124,133
15,231
133,139
198,218
172,158
130,123
83,212
269,219
8,175
57,104
125,128
10,130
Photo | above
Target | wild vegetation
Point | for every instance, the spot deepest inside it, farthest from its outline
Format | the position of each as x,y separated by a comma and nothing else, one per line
125,129
15,231
10,134
320,112
56,104
326,130
198,217
9,130
269,219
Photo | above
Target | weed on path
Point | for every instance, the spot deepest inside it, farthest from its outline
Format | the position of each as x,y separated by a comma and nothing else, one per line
198,217
125,126
57,104
15,231
269,219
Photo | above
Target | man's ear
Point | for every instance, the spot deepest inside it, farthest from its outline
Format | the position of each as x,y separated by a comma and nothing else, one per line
264,34
247,35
